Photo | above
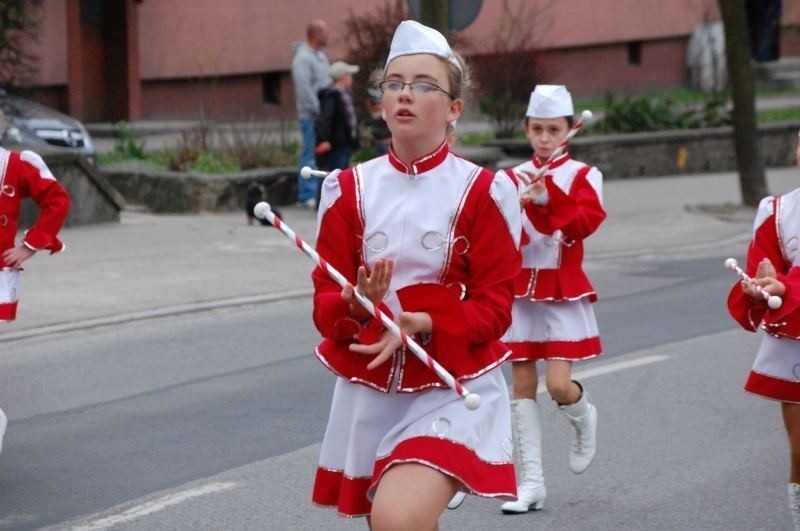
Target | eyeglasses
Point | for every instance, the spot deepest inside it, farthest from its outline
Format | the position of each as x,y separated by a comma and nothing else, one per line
422,87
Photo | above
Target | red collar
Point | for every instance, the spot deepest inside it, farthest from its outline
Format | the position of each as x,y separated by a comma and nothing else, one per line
561,159
422,164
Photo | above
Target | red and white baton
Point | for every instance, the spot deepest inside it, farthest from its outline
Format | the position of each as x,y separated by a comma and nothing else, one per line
471,400
773,301
306,172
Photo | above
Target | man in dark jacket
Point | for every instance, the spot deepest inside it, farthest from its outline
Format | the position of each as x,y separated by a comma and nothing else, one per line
336,127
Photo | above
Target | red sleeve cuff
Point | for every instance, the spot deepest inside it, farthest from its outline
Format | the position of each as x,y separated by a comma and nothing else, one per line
372,331
790,302
449,338
39,240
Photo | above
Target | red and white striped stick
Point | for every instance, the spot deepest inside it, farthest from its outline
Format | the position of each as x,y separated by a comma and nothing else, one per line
773,301
585,115
471,400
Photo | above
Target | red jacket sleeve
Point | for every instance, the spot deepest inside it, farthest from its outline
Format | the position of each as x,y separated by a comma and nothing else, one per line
747,312
577,214
494,262
337,244
37,182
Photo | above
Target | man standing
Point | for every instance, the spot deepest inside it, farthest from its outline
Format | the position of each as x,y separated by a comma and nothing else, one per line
310,68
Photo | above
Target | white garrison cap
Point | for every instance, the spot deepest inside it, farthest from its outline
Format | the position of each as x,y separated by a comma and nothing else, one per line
550,101
411,37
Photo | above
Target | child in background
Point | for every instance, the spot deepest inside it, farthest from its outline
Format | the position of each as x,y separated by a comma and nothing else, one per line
552,316
433,239
772,263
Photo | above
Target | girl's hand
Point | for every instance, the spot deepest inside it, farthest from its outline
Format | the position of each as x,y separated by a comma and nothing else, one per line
537,187
373,287
14,257
409,322
765,278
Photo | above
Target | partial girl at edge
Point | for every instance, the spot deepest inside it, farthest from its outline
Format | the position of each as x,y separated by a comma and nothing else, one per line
773,260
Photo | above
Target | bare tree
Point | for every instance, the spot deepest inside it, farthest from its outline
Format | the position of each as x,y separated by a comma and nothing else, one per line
742,79
367,37
506,75
19,28
434,13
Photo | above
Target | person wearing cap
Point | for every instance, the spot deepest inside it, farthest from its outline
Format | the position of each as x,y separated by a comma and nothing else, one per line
773,265
432,240
310,73
552,316
336,126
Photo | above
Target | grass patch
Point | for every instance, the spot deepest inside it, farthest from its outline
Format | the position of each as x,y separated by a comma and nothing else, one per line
475,139
778,115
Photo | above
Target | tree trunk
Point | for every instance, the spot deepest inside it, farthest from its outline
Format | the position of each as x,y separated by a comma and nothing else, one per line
434,13
742,79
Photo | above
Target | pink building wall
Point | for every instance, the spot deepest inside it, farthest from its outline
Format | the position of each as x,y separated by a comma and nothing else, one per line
212,53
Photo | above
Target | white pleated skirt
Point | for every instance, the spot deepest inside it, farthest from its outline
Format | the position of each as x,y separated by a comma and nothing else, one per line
369,431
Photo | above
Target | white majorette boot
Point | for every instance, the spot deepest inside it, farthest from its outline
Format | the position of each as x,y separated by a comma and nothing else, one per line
527,431
794,504
3,424
583,417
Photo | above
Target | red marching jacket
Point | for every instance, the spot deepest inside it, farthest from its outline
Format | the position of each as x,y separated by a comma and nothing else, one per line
24,174
452,229
775,236
553,233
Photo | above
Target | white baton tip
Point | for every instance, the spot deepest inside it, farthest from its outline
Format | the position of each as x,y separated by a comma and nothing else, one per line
586,115
261,210
305,172
731,263
774,302
472,401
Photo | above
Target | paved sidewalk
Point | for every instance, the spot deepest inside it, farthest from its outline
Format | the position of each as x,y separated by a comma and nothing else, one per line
154,265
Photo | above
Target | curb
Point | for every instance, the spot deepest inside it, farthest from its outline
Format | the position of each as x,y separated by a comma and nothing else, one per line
141,315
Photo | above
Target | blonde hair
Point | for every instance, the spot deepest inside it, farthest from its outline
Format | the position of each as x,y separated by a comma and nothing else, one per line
458,79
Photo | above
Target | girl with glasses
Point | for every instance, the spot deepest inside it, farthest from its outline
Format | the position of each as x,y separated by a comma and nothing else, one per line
431,239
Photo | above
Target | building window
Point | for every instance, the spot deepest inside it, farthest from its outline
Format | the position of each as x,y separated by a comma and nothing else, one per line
271,88
91,12
635,53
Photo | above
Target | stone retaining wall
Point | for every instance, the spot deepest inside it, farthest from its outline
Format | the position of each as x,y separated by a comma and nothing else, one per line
196,192
618,156
92,198
669,152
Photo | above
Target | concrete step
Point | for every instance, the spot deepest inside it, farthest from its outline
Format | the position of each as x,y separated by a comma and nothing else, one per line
774,68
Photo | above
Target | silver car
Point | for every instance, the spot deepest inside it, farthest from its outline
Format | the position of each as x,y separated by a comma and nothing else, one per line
29,123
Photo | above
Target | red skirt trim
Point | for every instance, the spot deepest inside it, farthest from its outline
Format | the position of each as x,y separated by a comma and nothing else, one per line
773,388
583,349
8,311
351,496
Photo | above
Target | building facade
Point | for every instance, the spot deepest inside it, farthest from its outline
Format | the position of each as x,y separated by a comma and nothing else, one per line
108,60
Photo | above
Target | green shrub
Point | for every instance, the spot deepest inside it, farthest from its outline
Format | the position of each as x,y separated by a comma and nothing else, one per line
657,113
214,162
127,147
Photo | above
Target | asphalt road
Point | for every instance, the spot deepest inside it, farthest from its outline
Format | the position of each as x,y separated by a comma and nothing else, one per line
213,419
